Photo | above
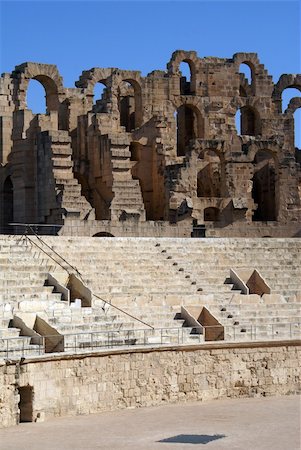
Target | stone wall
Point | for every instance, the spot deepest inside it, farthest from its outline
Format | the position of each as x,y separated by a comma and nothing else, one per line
84,384
212,148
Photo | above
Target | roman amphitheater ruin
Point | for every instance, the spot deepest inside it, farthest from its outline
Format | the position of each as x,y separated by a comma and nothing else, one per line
150,240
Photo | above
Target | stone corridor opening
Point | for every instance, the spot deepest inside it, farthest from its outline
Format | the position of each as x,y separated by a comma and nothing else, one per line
264,187
25,404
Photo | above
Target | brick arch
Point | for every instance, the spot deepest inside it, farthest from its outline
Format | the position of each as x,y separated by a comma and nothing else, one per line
180,56
284,82
189,57
293,105
250,104
135,80
250,59
273,150
89,78
48,75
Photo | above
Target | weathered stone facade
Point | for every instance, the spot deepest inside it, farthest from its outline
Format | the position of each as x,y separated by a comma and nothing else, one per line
155,154
86,384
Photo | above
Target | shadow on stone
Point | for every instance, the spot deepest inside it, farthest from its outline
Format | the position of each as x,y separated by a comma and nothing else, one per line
192,438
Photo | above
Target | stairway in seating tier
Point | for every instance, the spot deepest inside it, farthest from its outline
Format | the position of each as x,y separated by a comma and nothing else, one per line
152,279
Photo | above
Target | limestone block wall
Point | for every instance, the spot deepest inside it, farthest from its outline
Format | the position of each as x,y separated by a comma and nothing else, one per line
91,383
164,147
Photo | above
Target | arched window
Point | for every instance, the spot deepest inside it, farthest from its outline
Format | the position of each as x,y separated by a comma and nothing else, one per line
211,214
189,126
36,97
287,95
99,100
264,187
7,205
247,121
297,130
185,79
246,70
127,105
209,179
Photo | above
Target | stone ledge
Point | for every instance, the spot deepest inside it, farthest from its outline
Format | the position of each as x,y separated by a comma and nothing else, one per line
152,349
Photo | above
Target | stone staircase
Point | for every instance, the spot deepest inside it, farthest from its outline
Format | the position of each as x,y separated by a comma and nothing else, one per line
69,201
150,279
23,292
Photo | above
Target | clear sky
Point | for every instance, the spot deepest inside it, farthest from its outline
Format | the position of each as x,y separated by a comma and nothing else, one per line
141,35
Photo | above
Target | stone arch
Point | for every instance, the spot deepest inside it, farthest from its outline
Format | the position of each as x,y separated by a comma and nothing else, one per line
100,102
250,122
89,78
265,186
190,125
290,112
187,87
284,82
252,61
129,94
211,176
48,75
173,67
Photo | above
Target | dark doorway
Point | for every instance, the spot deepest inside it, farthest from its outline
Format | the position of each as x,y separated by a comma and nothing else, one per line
26,403
264,187
7,206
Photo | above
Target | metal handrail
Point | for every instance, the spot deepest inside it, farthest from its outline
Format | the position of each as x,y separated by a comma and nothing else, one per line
130,337
74,268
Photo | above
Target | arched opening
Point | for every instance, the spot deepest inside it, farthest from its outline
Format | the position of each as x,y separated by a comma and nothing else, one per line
189,126
50,91
209,178
36,97
151,182
297,130
129,104
211,214
247,72
7,206
264,187
247,121
186,78
103,234
26,404
287,95
100,97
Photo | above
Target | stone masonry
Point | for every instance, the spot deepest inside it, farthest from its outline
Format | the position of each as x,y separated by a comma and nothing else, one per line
155,155
85,384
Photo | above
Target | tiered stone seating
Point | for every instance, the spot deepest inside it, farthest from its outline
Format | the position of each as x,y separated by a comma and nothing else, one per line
22,292
151,279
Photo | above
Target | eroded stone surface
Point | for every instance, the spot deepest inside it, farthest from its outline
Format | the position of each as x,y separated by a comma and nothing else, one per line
154,155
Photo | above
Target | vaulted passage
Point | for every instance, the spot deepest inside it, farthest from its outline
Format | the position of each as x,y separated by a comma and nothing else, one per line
151,182
248,121
209,177
264,190
189,126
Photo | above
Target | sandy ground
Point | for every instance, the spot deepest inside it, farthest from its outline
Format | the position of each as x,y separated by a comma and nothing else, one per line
259,424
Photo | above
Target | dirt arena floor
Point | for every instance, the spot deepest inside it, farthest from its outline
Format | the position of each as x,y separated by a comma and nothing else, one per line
242,424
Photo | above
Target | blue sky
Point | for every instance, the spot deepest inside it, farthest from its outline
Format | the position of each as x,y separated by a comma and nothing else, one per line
141,35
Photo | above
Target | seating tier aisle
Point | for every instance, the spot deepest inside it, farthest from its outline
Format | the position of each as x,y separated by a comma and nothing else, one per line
151,279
